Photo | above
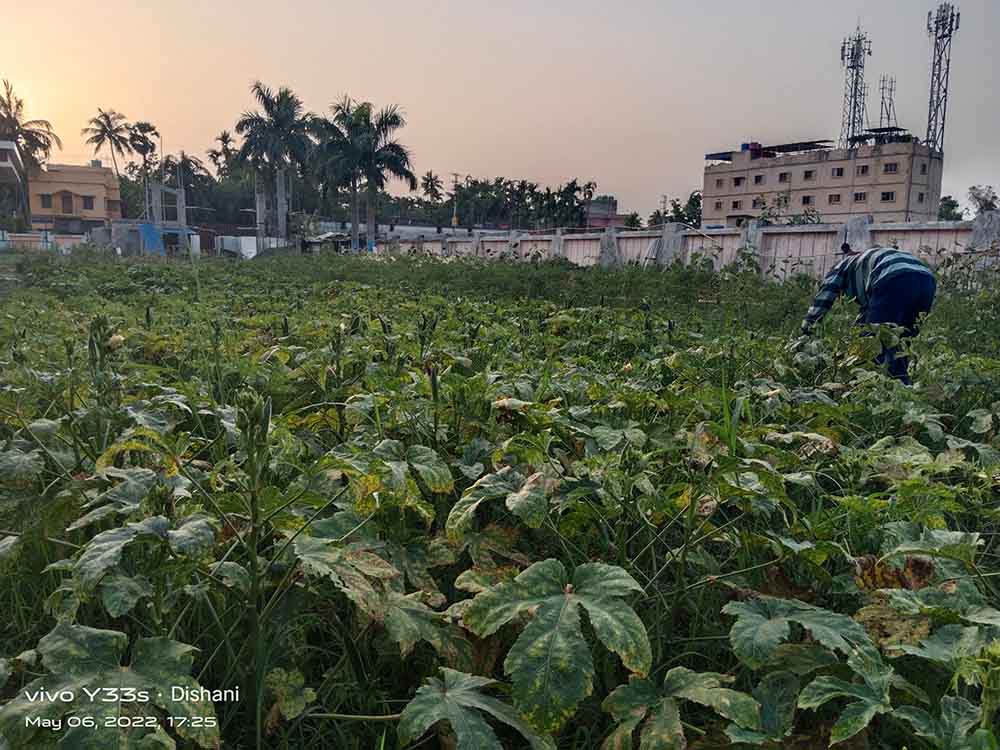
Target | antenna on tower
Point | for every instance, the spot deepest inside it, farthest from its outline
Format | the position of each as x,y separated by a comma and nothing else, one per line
941,26
853,52
887,115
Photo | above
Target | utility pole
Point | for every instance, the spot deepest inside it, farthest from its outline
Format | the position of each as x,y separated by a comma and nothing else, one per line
454,199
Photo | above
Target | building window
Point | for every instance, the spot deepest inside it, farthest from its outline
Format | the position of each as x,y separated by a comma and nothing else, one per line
758,203
862,170
46,200
737,204
923,168
718,205
888,196
719,182
758,179
738,181
88,203
890,168
920,197
834,199
860,197
784,176
838,172
67,203
807,200
809,174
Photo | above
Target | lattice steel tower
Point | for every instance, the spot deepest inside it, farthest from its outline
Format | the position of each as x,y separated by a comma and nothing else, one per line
853,52
887,115
941,26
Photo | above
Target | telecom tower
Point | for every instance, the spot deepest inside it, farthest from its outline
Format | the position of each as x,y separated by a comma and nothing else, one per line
853,52
941,26
887,115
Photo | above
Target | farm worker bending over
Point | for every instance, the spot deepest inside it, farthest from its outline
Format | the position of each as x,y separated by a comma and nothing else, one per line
890,285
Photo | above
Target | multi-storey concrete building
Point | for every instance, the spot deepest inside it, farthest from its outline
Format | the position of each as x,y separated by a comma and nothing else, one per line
892,182
74,199
12,175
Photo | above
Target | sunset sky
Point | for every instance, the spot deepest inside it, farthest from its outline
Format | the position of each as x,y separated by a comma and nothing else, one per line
631,94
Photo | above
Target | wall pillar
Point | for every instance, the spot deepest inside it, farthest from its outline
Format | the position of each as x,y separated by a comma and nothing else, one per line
985,232
671,244
610,255
857,232
557,249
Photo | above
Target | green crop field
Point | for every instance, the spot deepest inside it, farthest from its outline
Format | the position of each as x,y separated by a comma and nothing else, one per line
356,503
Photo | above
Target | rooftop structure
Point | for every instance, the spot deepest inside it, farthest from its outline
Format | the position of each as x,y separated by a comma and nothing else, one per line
889,176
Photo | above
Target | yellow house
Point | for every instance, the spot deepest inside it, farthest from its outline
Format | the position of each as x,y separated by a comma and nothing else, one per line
72,199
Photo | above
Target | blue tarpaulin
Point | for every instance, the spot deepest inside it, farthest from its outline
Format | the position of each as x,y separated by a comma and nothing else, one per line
152,239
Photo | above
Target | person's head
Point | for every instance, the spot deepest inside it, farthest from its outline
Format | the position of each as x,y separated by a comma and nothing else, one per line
846,249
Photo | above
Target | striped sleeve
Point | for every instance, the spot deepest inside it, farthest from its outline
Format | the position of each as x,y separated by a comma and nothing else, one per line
833,285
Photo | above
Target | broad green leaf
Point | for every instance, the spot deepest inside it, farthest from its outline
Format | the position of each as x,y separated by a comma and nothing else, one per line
288,689
458,698
120,593
524,497
801,658
415,559
949,645
429,466
425,461
124,498
953,545
351,569
777,694
408,620
854,718
706,688
17,466
663,729
530,503
195,536
104,551
232,574
550,662
765,622
981,421
868,699
79,657
657,711
983,616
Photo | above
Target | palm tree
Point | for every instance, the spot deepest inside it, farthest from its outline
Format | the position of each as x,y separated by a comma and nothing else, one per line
140,138
34,138
342,140
274,139
222,157
109,129
357,144
382,159
431,186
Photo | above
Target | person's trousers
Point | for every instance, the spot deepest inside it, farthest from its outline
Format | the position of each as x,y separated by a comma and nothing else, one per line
901,300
